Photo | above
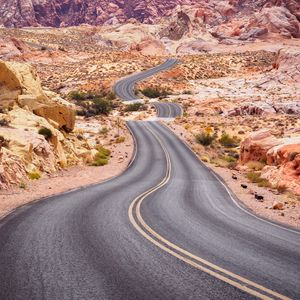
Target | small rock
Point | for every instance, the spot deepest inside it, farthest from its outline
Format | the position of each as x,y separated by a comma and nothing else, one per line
277,205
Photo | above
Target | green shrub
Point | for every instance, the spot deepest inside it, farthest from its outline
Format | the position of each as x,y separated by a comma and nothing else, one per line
102,157
255,177
98,162
104,130
134,107
111,96
205,139
154,92
255,165
22,185
76,95
102,106
34,175
120,139
229,159
46,132
229,142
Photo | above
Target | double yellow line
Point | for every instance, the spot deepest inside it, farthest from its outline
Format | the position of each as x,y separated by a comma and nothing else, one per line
136,219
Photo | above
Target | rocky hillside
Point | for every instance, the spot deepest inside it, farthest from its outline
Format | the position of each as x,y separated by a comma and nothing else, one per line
55,13
36,128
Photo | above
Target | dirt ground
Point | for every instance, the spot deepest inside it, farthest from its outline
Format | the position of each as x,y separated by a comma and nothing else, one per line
289,215
69,179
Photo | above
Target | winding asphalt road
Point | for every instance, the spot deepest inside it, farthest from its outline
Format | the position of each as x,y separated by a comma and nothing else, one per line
167,228
125,87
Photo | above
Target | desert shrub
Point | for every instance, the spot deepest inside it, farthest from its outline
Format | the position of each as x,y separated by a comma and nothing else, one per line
232,165
111,96
205,139
205,159
34,175
255,177
263,160
46,132
76,95
154,92
102,106
43,48
102,157
255,165
134,107
229,159
104,130
98,162
120,139
22,185
229,142
293,155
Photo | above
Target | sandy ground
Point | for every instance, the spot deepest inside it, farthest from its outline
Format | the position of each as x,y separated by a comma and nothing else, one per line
290,215
68,179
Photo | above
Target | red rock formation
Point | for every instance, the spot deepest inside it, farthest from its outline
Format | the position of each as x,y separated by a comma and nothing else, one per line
282,156
256,146
18,13
55,13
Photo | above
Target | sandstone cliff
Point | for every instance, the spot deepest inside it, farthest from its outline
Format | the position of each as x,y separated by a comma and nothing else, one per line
25,109
282,156
55,13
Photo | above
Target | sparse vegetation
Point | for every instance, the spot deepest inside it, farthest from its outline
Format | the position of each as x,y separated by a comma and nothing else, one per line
104,130
154,92
120,139
34,175
255,165
229,142
93,103
46,132
22,185
134,107
204,138
102,157
255,177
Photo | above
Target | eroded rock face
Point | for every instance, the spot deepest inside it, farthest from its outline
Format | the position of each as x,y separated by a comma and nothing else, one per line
282,157
20,85
55,13
26,108
256,146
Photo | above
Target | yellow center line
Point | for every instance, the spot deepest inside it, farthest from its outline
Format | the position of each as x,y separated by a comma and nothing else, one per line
136,204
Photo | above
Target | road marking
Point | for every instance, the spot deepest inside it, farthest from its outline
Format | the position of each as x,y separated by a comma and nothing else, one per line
227,189
146,231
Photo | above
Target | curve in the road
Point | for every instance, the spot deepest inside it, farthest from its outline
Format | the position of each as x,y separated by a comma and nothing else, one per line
138,222
106,241
167,110
124,88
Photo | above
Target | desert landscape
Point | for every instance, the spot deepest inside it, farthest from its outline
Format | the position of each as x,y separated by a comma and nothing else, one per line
63,127
229,74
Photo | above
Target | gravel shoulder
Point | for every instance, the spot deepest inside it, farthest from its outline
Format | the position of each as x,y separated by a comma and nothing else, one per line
69,179
289,215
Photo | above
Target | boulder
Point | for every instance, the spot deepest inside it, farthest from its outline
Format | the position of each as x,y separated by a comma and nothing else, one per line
20,85
256,146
